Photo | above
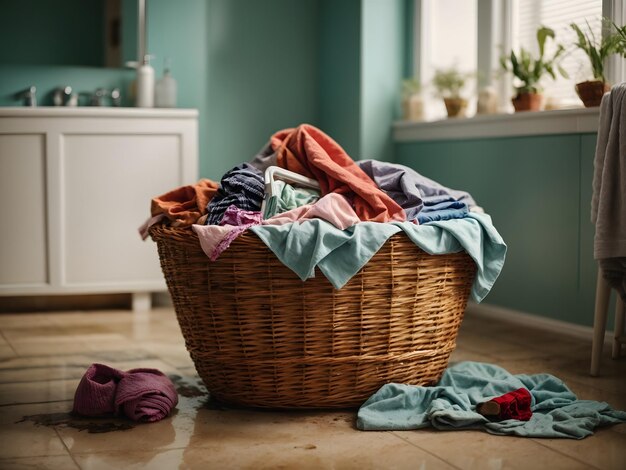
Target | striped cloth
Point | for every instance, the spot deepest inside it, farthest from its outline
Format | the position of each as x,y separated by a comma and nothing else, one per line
242,187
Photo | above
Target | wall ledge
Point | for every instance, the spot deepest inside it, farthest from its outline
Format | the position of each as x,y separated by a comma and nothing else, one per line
562,121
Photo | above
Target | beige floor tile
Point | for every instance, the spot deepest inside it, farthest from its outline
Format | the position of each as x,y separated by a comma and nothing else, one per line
37,369
174,354
569,370
66,344
477,450
28,320
59,462
354,451
461,354
37,392
6,352
605,449
26,438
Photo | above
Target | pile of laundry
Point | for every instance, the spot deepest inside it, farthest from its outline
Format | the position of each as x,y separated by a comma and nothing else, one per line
315,207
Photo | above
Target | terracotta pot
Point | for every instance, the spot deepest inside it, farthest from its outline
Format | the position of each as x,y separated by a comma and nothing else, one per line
527,102
590,92
455,106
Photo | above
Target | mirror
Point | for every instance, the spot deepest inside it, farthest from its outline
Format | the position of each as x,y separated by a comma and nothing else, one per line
90,33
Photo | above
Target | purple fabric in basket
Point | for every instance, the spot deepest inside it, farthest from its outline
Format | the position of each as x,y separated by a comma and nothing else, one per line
141,394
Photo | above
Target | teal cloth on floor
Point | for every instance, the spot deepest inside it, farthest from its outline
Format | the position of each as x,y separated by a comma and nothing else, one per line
451,404
340,254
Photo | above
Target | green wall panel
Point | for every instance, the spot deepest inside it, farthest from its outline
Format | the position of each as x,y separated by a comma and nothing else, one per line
177,30
339,72
262,76
382,68
531,186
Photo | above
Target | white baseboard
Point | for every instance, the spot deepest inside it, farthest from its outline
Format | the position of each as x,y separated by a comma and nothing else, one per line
528,319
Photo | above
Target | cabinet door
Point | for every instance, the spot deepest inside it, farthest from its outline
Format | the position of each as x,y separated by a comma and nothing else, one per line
23,253
108,181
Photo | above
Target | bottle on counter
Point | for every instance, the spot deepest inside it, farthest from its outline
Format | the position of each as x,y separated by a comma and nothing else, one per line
145,84
165,93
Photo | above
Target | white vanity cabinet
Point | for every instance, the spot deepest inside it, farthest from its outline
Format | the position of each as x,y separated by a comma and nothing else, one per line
75,184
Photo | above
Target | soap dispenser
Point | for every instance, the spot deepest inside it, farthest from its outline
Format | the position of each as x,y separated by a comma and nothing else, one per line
165,94
145,84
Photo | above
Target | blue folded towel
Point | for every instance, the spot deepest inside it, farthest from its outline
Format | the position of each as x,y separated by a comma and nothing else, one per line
451,404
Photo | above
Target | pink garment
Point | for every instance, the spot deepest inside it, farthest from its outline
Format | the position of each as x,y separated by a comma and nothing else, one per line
333,208
145,228
95,394
215,239
145,395
142,394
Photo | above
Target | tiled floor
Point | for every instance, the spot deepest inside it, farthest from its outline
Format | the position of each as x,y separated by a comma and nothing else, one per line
43,356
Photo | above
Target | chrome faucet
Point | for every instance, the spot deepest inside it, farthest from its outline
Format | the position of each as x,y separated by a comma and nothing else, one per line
29,95
99,96
62,96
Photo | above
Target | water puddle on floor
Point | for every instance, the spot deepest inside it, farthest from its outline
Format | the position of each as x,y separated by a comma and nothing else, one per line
69,420
186,387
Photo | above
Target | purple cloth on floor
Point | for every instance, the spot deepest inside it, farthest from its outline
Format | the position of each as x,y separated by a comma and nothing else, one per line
95,394
142,394
145,395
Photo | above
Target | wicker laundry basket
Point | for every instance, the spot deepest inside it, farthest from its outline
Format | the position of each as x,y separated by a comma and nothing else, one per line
261,337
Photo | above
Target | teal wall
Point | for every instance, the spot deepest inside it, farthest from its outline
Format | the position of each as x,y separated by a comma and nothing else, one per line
538,192
382,70
262,76
362,54
252,68
339,73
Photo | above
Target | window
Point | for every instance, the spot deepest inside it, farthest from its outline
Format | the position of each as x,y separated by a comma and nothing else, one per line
473,34
529,15
449,41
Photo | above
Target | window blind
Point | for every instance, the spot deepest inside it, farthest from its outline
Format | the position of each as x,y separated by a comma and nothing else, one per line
529,15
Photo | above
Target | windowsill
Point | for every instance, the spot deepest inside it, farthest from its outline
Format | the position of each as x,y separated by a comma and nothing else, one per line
562,121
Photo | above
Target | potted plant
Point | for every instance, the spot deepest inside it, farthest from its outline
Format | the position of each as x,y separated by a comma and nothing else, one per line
449,83
591,91
412,102
530,70
621,33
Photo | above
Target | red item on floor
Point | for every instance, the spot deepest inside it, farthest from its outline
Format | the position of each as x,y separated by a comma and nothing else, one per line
141,394
310,152
512,405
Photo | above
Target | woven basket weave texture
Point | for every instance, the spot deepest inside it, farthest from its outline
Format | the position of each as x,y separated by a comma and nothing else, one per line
259,336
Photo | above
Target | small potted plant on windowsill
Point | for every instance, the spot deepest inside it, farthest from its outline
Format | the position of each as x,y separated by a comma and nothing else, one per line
412,102
449,83
530,70
591,91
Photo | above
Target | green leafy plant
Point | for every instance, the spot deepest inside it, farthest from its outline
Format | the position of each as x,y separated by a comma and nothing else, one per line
621,34
597,50
410,86
528,69
449,82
